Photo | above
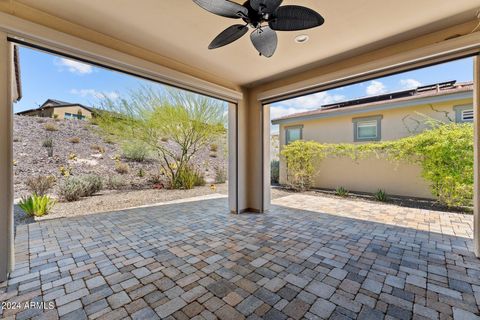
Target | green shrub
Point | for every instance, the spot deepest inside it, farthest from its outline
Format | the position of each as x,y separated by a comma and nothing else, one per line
381,195
199,179
136,152
91,184
37,205
444,152
48,144
341,192
141,173
40,185
74,188
187,178
301,157
220,175
115,182
71,189
214,147
275,171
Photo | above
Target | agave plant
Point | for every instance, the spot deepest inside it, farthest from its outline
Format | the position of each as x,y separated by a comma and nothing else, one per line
36,205
341,192
381,195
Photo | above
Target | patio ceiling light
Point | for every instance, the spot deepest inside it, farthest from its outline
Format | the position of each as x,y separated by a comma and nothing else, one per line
302,38
264,17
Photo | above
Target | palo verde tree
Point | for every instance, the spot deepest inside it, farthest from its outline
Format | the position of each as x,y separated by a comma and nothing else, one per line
174,124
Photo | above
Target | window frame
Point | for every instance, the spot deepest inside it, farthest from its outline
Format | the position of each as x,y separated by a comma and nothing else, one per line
459,110
357,123
296,127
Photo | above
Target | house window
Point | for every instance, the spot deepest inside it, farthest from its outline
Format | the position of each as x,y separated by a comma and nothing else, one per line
463,113
367,129
293,134
73,116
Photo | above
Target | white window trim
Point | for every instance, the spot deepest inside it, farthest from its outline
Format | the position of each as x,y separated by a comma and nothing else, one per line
367,121
299,127
367,124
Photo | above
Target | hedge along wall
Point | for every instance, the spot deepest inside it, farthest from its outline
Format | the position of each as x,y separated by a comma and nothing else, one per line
443,156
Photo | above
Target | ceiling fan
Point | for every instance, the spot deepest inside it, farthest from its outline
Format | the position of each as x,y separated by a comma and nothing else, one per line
265,17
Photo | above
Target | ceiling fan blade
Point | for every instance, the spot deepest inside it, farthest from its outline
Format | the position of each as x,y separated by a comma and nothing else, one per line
265,41
292,18
267,6
228,35
224,8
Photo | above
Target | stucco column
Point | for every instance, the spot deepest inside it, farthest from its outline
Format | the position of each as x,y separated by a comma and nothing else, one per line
6,158
232,158
253,154
266,157
476,112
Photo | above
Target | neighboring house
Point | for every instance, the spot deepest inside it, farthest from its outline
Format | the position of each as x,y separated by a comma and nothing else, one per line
378,118
60,110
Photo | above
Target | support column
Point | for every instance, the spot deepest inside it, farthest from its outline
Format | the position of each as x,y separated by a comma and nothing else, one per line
253,149
266,157
6,158
232,158
476,112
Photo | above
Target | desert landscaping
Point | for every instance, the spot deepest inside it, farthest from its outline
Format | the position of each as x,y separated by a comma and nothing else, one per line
61,150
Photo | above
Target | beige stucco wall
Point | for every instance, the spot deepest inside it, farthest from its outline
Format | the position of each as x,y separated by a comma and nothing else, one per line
60,111
73,110
372,174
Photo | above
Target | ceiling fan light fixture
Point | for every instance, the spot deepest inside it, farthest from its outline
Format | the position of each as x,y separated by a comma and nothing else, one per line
302,38
265,17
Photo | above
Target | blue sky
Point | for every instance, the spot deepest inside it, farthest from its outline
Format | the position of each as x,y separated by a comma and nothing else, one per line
46,76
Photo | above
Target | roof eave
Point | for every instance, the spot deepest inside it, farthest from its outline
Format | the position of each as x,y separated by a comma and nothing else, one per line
370,108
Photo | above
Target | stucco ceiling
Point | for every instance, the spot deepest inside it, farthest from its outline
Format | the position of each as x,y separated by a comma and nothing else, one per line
180,30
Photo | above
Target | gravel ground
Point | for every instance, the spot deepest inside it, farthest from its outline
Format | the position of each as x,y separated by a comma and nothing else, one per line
30,157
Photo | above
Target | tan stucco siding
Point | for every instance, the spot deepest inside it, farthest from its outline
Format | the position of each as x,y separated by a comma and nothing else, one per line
58,112
72,110
372,174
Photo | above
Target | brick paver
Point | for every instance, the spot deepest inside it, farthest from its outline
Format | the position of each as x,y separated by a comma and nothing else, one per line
309,257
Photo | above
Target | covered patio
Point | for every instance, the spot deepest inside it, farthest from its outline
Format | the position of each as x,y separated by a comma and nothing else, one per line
248,257
193,260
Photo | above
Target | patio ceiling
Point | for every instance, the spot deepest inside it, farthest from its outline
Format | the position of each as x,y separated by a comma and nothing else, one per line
182,31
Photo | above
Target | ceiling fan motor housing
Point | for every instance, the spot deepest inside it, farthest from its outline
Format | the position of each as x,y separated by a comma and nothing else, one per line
265,17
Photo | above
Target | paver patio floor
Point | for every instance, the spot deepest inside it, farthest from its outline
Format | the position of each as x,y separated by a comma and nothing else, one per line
319,258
